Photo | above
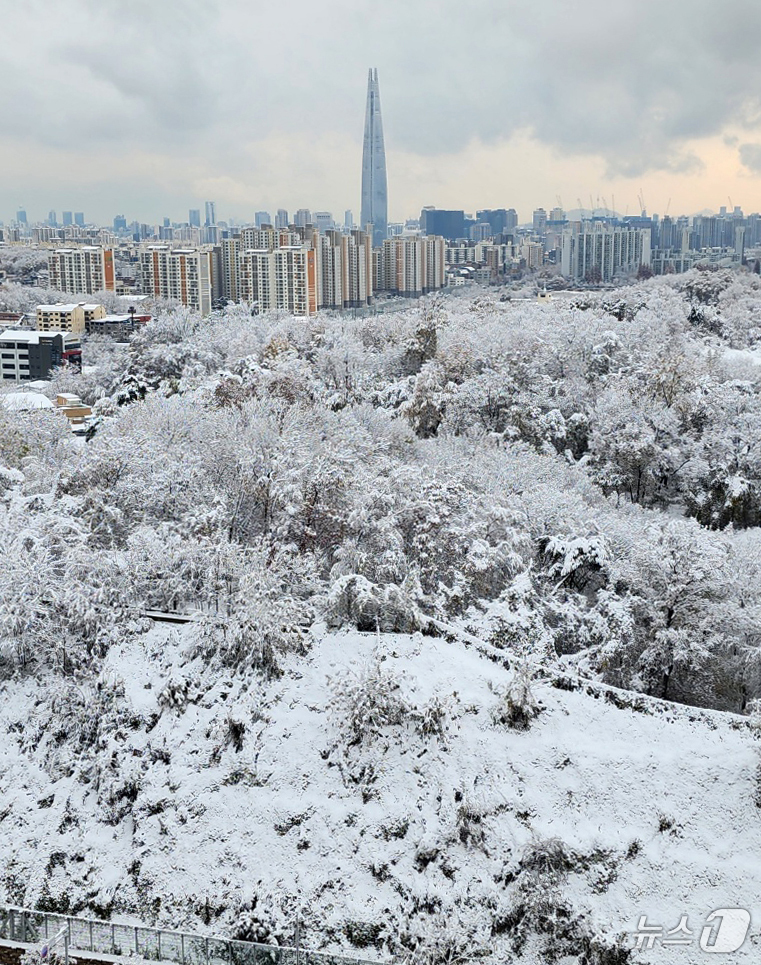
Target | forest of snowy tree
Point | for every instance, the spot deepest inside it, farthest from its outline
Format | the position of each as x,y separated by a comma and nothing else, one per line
580,482
572,487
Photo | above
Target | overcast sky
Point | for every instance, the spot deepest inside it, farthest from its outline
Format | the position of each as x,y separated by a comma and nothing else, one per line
150,107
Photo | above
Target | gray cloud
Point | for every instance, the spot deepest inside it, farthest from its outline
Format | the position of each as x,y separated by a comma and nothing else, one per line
750,155
197,81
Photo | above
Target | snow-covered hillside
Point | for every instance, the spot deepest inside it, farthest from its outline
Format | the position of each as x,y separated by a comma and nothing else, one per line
441,828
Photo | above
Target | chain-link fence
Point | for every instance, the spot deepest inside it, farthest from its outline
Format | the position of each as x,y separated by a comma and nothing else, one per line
107,938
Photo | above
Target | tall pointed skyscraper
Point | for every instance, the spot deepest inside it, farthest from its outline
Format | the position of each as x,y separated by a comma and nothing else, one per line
374,187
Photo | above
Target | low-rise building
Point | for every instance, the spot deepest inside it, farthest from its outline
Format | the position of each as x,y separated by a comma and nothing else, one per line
26,356
117,326
61,318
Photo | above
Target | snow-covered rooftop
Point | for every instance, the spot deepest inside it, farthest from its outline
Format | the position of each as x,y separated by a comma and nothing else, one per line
21,401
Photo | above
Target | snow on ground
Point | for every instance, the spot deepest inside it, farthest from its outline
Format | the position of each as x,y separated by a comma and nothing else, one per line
657,807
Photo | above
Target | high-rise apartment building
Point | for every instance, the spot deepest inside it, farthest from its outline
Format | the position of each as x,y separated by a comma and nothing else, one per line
82,270
230,254
182,274
281,218
285,278
194,217
302,218
21,216
52,220
540,221
374,206
413,265
68,218
262,218
120,223
211,213
594,251
344,269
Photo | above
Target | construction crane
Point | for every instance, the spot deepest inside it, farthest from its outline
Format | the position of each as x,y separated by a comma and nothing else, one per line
581,208
668,206
641,199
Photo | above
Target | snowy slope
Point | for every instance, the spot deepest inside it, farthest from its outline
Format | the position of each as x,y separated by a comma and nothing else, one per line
656,808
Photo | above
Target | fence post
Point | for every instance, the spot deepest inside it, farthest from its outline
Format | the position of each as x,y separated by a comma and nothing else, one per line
23,927
113,940
45,919
158,944
137,944
91,948
11,924
182,948
207,951
66,947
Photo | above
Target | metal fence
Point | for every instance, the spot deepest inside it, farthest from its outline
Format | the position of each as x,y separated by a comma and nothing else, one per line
106,938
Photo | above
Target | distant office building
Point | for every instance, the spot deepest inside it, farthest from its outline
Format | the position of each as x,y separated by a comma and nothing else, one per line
599,252
182,274
496,218
194,217
374,208
21,216
82,270
281,218
348,220
79,219
211,213
28,356
447,224
120,223
323,221
302,218
262,218
557,214
52,220
68,218
166,233
540,221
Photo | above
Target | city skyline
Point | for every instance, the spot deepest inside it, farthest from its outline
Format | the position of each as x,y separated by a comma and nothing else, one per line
560,102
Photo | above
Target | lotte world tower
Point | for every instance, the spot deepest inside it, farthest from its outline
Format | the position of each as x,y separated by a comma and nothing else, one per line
374,187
